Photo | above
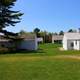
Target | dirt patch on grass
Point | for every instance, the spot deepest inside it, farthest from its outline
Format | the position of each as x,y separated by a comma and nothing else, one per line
77,57
26,58
61,49
39,58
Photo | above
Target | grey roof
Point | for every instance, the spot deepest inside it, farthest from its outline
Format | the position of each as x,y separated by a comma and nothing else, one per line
75,35
57,37
28,36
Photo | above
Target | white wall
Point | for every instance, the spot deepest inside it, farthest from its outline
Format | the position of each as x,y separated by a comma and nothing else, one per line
64,43
67,44
77,45
40,39
28,45
52,39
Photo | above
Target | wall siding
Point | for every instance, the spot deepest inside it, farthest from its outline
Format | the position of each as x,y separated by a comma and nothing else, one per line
28,45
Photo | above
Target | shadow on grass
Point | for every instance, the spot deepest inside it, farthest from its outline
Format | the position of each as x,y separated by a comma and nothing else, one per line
22,51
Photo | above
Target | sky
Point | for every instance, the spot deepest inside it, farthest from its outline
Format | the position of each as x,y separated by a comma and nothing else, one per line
47,15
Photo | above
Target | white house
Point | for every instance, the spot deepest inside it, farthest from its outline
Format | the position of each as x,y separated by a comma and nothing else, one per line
71,41
57,38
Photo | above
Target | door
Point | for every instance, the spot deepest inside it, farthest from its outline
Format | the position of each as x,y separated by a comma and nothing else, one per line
72,45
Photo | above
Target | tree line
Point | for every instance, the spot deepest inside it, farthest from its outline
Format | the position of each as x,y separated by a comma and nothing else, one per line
47,36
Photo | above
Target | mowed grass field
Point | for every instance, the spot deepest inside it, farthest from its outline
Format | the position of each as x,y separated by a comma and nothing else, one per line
48,63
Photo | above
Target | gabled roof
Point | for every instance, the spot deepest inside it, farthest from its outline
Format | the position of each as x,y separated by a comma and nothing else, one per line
57,37
15,36
73,35
27,36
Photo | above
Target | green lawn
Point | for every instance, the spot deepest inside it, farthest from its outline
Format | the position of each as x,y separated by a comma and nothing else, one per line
45,50
40,65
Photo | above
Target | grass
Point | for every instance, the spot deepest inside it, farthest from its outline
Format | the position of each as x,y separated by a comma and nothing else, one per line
44,50
53,49
40,65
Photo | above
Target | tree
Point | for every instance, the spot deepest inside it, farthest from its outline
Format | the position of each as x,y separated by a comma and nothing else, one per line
22,32
47,36
70,30
61,33
36,31
8,17
55,33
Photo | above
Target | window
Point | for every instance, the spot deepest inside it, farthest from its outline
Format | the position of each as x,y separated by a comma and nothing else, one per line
76,42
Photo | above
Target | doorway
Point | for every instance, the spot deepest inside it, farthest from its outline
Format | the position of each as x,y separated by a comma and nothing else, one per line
72,45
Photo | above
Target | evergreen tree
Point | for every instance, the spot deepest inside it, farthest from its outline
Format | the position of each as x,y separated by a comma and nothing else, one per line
70,30
8,17
36,31
61,33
